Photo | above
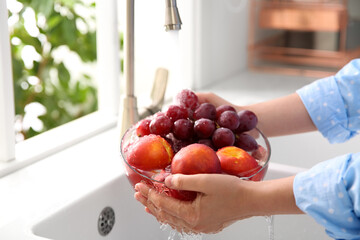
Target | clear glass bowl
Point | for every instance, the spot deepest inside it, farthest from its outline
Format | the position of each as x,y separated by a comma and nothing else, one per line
134,175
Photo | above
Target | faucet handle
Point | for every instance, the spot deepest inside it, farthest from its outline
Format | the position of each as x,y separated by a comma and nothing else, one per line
157,93
159,87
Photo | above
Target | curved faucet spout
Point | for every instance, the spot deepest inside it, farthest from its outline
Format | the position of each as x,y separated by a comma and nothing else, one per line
172,16
129,114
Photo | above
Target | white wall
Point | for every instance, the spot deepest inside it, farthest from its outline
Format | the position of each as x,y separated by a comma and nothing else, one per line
222,49
156,48
210,47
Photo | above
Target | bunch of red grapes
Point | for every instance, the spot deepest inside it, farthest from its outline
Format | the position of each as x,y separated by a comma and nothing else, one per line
187,121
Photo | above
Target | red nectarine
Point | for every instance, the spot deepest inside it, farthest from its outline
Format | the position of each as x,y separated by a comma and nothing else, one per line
149,153
236,161
195,158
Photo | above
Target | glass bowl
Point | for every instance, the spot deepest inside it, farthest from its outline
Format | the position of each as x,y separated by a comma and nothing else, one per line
134,175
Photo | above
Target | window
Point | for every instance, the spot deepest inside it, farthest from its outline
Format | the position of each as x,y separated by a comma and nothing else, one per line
174,52
102,100
53,50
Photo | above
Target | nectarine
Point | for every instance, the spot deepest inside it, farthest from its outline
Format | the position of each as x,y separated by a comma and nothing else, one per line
236,161
195,158
149,153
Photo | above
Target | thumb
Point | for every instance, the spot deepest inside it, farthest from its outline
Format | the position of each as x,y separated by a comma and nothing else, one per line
194,182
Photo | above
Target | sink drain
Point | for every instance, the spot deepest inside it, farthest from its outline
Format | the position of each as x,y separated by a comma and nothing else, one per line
106,221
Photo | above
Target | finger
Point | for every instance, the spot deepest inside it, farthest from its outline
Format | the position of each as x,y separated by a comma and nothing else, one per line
151,208
176,223
139,197
204,96
155,201
184,211
166,208
203,183
162,215
143,189
210,97
164,202
185,182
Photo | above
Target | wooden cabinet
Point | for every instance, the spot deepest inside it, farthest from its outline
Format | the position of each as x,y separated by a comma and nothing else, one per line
302,19
282,33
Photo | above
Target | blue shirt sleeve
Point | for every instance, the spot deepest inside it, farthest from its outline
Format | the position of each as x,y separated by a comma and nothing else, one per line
333,103
330,191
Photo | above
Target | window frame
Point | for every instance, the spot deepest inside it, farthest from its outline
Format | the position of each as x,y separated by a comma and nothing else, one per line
14,156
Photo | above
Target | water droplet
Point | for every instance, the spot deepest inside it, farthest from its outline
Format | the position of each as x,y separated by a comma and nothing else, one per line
163,226
190,236
182,236
172,235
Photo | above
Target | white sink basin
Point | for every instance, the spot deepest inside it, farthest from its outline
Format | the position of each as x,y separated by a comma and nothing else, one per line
79,220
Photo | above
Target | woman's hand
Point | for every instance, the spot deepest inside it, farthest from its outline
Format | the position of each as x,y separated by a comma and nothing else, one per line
214,99
277,117
218,204
221,200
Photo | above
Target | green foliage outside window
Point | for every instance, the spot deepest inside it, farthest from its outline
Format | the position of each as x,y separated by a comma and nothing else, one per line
47,80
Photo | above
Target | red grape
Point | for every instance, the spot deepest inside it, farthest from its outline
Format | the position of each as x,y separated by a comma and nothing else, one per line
229,119
190,113
176,112
157,114
170,138
160,125
204,128
248,121
183,129
207,142
260,153
246,142
142,128
205,110
223,137
175,143
187,98
222,108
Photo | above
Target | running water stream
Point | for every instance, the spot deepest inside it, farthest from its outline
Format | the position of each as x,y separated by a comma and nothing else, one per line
270,222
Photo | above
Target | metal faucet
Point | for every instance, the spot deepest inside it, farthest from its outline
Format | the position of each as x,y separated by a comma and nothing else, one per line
172,16
129,113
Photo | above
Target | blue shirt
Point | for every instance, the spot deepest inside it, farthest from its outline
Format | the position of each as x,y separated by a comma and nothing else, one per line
330,191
